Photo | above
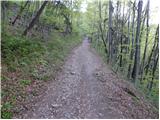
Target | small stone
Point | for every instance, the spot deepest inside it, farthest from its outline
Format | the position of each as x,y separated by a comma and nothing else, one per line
100,114
67,115
72,73
55,105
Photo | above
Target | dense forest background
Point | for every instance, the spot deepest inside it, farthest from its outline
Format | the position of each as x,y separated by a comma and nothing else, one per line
37,36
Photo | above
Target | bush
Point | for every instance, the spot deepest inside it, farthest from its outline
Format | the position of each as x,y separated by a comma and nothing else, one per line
20,48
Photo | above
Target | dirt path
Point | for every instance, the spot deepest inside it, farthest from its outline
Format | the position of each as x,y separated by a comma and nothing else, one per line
87,89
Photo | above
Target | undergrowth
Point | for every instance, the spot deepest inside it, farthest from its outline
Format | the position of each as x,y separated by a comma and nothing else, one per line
27,64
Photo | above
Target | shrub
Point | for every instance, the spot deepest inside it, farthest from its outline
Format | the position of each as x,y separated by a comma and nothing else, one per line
20,48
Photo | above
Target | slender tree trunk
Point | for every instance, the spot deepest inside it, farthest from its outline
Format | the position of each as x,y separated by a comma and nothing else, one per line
68,28
146,43
150,84
152,51
132,46
121,42
27,15
20,12
128,30
110,30
35,18
100,24
141,33
117,33
3,11
135,71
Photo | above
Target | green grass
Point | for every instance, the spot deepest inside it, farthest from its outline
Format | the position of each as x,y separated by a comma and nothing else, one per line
6,115
5,110
25,82
19,49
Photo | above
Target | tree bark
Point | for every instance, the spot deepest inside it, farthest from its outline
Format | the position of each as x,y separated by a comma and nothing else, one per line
110,31
150,84
145,14
20,12
146,42
3,11
132,46
128,42
35,18
100,24
135,71
118,8
121,40
152,51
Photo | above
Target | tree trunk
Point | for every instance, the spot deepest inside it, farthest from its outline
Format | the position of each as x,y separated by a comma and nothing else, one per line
153,49
128,42
135,71
141,33
146,43
110,31
27,15
150,84
100,24
35,18
117,33
3,3
4,12
121,42
20,12
132,47
68,28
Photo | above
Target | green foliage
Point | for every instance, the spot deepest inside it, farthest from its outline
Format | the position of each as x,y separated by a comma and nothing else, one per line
4,78
5,110
25,82
98,45
6,115
59,47
7,106
3,93
20,49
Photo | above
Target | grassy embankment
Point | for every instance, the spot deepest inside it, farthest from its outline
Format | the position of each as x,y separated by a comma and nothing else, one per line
28,64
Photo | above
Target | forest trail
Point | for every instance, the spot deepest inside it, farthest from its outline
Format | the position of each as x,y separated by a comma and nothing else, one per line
87,89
